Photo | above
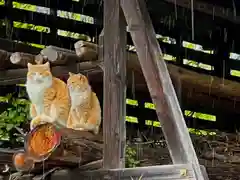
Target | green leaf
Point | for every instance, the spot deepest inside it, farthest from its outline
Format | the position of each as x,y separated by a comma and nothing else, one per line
2,124
3,115
3,99
12,114
9,127
4,136
19,119
22,101
17,112
9,96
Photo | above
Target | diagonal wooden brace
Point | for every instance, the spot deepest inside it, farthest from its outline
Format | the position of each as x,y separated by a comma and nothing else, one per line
160,85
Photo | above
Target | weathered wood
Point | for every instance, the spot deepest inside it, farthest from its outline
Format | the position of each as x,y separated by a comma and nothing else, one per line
22,59
204,83
164,172
159,84
4,59
18,76
14,46
80,147
60,56
86,51
114,105
211,9
204,172
100,49
177,83
203,89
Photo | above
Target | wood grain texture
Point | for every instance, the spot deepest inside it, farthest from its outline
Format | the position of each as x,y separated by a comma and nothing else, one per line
22,59
160,85
114,105
197,88
163,172
60,56
208,8
4,59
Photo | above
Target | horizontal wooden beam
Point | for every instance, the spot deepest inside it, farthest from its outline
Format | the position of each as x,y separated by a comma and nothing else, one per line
12,46
162,18
91,7
17,76
202,88
51,21
60,56
211,9
205,83
164,172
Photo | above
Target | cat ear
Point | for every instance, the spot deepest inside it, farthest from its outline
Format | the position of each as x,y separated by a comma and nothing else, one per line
79,75
47,64
70,74
29,65
83,77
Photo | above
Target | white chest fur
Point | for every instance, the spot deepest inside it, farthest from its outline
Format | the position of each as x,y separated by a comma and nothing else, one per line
78,98
36,96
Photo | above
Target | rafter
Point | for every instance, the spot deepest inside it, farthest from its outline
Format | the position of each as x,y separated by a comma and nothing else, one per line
214,10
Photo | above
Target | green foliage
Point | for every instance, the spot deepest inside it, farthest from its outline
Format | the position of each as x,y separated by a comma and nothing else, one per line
15,113
131,157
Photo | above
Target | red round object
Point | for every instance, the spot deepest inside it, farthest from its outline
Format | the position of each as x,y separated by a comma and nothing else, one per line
55,143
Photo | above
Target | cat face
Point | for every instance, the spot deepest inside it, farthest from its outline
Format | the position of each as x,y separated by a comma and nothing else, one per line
39,74
77,82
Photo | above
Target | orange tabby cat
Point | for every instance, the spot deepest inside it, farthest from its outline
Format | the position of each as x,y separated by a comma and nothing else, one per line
85,112
48,95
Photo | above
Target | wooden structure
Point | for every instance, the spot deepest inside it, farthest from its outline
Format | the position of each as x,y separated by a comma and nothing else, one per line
206,88
159,85
173,20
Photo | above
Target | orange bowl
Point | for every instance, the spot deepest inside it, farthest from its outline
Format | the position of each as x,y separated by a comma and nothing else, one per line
49,140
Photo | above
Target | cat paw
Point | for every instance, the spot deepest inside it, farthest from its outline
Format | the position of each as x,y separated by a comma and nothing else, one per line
96,130
35,122
42,119
46,119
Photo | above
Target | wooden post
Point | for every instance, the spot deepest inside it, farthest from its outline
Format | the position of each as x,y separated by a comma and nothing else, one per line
159,84
100,50
114,85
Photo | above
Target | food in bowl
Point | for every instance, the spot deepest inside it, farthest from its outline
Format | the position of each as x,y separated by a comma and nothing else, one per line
42,140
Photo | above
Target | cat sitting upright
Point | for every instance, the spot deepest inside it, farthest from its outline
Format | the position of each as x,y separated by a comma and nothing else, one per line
85,112
48,95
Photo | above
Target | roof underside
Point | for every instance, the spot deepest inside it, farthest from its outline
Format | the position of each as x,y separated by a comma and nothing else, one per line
50,21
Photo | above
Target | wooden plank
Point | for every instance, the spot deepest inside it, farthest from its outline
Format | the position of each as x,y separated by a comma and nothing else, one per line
89,7
203,82
17,76
12,46
60,56
114,105
159,84
211,9
52,21
163,172
204,171
177,83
